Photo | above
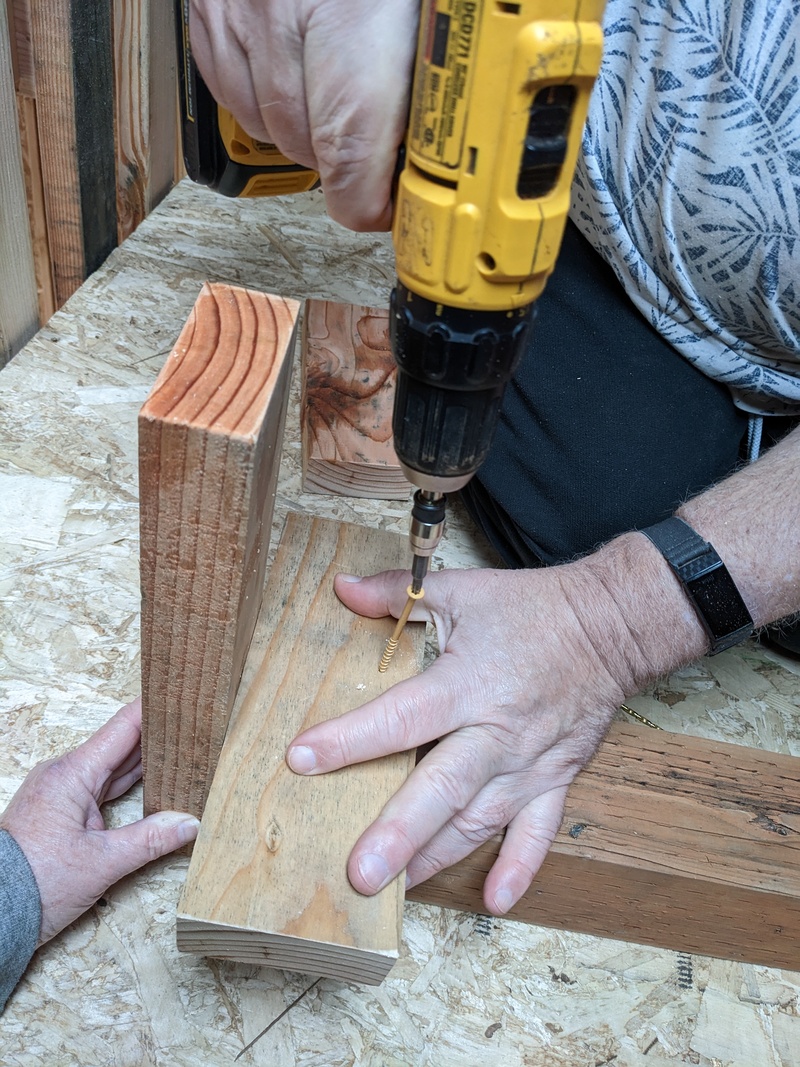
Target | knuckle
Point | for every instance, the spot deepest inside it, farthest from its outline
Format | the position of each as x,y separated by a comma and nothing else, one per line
476,826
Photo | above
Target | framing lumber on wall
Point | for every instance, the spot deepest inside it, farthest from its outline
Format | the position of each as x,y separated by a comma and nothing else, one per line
18,302
96,103
667,840
346,411
209,444
267,882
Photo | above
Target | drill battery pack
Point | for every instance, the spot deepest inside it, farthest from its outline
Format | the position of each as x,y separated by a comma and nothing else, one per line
217,151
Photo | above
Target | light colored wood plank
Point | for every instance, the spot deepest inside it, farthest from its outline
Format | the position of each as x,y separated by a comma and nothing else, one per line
37,212
209,445
348,392
267,881
667,840
19,316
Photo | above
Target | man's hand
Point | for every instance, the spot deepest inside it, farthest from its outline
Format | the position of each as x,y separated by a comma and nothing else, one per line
519,699
327,81
55,819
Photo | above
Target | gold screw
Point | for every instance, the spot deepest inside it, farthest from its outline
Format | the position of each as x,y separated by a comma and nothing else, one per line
392,643
639,718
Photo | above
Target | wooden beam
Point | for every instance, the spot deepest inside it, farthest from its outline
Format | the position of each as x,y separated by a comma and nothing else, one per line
267,882
667,840
19,317
209,445
346,410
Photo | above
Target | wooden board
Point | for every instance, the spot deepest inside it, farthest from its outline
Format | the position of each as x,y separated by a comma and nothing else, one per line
145,107
18,304
667,840
209,439
267,882
348,392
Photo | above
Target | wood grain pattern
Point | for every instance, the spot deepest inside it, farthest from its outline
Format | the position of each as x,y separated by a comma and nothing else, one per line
668,840
267,882
145,107
19,317
209,446
348,393
51,30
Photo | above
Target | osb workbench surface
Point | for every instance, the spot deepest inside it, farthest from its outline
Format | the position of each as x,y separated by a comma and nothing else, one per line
468,991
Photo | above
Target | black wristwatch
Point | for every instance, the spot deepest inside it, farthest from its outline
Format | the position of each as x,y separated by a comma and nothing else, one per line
705,580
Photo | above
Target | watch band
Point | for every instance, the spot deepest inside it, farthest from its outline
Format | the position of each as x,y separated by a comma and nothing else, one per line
706,581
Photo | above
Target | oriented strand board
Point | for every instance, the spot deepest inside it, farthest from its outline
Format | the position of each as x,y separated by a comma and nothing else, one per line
267,882
209,440
667,840
348,392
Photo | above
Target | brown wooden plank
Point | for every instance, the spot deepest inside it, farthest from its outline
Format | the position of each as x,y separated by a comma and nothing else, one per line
267,882
209,445
51,29
19,317
348,393
667,840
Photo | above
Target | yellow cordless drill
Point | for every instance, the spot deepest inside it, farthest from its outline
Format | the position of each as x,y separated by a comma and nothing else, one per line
498,106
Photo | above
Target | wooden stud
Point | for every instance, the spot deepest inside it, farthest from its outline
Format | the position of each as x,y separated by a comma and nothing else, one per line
667,840
267,882
209,445
348,393
18,305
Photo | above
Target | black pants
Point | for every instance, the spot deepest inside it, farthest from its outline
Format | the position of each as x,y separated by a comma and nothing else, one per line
605,427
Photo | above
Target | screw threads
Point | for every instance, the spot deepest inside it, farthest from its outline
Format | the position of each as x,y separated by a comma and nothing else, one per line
394,640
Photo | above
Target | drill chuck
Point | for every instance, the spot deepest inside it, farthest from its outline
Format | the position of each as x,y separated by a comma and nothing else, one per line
453,367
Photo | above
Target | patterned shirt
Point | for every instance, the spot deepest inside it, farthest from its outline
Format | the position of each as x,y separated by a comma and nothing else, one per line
689,183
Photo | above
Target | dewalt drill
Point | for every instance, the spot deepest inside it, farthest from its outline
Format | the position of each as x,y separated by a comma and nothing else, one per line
498,106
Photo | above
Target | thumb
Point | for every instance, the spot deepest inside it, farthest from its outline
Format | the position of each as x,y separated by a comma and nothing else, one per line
378,595
130,847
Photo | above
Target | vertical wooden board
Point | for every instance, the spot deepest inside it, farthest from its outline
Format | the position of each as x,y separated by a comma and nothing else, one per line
348,393
51,28
131,107
209,447
37,213
162,86
19,316
267,881
145,107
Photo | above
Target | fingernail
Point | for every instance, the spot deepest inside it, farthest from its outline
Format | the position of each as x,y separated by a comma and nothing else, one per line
186,825
301,759
374,870
349,577
503,899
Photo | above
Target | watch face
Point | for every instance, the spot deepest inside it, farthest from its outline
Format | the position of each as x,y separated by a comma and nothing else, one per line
720,605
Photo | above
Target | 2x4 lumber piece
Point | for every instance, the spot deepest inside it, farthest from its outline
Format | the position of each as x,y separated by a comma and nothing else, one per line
668,840
19,314
267,882
209,444
348,391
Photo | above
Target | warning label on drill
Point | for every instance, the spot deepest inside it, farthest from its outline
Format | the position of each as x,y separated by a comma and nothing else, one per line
444,68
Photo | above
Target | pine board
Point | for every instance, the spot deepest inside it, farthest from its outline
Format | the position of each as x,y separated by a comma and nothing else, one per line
267,882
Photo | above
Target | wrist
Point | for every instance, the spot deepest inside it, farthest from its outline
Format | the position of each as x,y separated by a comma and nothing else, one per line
637,615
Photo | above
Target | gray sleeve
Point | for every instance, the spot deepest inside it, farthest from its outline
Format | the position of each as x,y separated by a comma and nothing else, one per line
20,915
